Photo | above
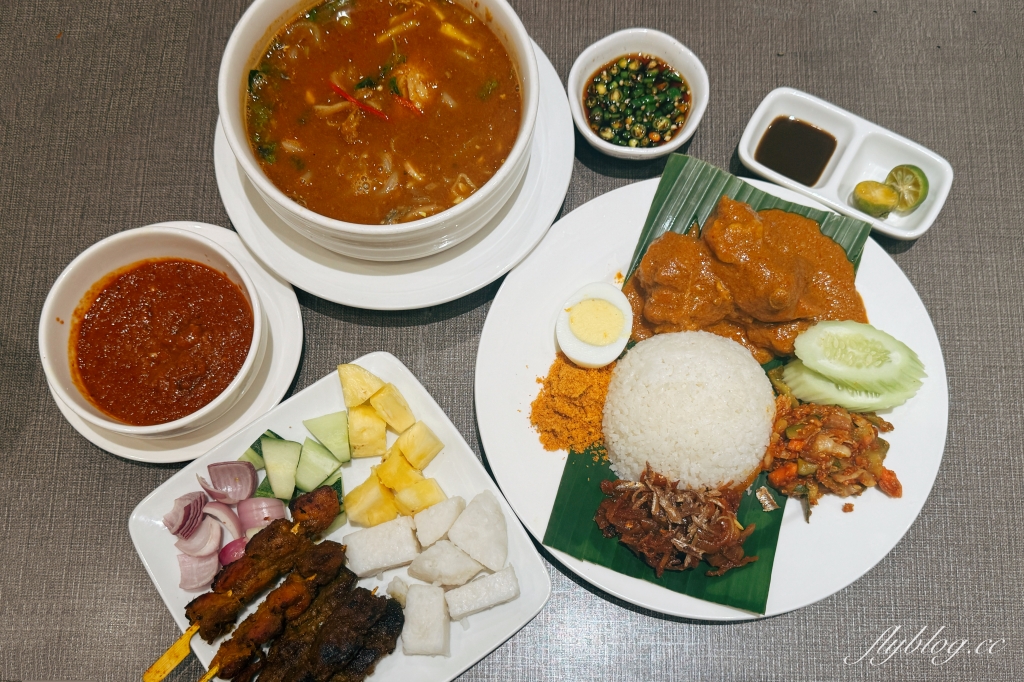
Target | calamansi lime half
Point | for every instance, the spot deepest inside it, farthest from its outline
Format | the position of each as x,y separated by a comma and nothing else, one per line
874,198
912,185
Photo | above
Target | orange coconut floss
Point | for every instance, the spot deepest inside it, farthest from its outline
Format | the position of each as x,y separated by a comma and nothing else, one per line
567,411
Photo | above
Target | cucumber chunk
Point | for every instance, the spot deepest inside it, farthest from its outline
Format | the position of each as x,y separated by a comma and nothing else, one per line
264,489
316,463
860,357
334,480
812,387
254,453
339,521
282,458
250,455
332,431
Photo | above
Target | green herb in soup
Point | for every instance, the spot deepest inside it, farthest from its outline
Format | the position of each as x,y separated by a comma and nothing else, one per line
378,111
637,101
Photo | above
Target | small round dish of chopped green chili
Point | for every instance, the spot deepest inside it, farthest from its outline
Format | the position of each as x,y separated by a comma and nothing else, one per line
636,100
637,94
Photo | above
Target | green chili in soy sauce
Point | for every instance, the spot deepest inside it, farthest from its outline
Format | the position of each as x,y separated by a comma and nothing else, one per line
637,101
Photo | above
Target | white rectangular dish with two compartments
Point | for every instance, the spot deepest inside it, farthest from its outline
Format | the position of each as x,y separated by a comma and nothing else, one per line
864,151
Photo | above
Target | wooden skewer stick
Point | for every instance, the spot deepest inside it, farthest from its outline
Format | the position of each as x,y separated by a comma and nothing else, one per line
210,674
174,655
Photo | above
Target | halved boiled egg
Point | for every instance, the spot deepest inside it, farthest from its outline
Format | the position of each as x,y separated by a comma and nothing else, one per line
594,325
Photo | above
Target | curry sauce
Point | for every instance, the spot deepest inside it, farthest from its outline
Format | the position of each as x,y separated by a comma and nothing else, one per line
757,278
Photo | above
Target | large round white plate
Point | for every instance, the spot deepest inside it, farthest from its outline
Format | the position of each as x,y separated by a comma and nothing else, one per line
433,280
271,383
593,243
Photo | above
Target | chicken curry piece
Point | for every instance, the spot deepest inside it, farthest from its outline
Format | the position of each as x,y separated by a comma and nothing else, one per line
757,278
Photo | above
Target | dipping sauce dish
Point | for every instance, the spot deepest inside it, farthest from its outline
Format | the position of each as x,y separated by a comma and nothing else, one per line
863,151
93,271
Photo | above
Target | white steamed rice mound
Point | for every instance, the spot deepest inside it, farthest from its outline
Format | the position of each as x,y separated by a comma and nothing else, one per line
696,406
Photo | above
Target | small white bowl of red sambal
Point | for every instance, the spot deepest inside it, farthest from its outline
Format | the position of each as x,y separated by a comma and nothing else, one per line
152,332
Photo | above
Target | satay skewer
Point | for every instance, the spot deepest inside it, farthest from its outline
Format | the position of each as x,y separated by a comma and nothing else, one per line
174,655
312,513
210,674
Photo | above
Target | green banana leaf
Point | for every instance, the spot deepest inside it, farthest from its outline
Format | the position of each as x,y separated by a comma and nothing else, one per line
689,191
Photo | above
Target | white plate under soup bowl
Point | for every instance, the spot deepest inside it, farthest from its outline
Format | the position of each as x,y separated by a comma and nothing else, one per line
403,241
113,253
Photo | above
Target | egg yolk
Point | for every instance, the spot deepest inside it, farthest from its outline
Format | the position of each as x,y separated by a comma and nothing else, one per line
596,321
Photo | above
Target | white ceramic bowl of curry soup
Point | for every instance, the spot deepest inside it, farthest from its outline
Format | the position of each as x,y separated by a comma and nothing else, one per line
73,292
394,242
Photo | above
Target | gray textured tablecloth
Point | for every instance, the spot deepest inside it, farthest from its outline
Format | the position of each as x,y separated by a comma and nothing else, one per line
107,114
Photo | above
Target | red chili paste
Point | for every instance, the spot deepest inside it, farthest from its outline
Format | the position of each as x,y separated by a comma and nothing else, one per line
159,339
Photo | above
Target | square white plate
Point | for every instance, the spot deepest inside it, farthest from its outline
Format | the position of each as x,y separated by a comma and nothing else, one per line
864,151
456,469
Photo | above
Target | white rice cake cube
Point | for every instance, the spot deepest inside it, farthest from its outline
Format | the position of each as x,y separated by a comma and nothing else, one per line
381,547
398,589
433,522
480,531
484,593
426,629
444,564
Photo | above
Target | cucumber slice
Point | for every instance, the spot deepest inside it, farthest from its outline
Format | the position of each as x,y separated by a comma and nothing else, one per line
254,454
811,387
282,458
316,463
860,357
264,489
334,480
332,431
339,521
250,455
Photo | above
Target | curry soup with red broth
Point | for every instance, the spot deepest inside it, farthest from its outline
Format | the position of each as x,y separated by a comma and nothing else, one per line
380,112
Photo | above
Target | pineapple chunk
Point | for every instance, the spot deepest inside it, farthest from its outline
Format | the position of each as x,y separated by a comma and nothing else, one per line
370,503
396,472
419,496
419,445
392,408
367,433
357,384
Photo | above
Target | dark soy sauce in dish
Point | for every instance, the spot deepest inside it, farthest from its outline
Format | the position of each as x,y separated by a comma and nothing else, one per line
796,149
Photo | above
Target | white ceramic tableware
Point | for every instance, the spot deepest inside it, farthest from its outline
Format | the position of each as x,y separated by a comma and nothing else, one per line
108,255
457,470
595,243
403,241
272,380
432,280
864,151
649,42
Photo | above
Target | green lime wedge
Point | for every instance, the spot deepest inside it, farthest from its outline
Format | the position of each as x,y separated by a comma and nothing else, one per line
911,184
875,198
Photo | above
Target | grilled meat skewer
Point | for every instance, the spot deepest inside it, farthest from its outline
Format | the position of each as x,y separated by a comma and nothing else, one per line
270,554
315,568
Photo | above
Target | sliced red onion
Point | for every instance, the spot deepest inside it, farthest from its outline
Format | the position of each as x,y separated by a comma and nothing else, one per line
184,518
259,511
197,572
204,541
223,513
233,551
230,482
